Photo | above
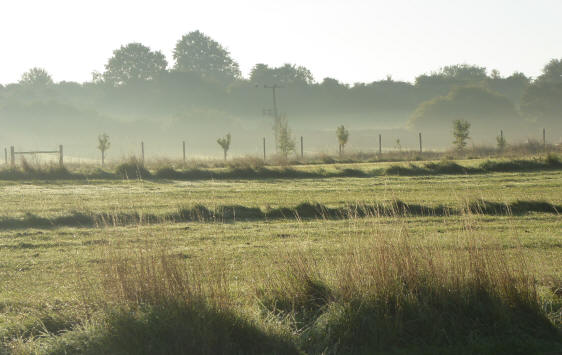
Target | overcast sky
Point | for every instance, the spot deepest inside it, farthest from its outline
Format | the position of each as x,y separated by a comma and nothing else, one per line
349,40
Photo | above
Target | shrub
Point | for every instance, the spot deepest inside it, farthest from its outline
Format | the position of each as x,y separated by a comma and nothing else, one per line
132,169
553,159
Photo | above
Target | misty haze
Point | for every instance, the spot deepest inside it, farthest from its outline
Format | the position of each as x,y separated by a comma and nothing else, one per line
202,95
249,177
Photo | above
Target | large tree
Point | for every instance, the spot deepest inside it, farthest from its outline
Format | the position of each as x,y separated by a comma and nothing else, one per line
197,52
486,110
542,102
36,77
552,72
287,74
134,62
453,74
464,72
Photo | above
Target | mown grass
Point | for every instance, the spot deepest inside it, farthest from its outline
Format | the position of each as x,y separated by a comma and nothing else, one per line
304,210
384,293
53,199
252,271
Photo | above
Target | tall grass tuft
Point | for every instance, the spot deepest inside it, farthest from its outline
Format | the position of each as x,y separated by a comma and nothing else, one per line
132,169
160,304
391,292
145,277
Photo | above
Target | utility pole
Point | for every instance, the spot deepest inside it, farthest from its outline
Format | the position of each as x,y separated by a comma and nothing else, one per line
273,88
276,117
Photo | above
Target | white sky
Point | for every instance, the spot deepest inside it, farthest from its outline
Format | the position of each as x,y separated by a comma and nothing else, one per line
350,40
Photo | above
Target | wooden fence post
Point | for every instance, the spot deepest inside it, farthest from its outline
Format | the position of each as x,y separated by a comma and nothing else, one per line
142,152
183,144
380,144
61,157
302,147
544,138
12,156
420,143
6,156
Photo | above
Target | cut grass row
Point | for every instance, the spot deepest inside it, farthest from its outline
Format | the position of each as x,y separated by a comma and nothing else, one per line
305,210
50,199
136,170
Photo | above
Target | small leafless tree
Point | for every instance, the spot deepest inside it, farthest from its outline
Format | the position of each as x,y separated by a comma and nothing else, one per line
343,136
461,132
285,141
224,142
103,145
502,143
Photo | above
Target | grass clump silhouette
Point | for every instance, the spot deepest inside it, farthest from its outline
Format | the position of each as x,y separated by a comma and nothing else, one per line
132,169
304,210
393,295
158,304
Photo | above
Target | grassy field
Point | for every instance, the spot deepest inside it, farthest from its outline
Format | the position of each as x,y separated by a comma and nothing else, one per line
283,285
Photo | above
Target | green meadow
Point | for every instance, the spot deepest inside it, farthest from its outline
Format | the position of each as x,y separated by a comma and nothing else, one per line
256,273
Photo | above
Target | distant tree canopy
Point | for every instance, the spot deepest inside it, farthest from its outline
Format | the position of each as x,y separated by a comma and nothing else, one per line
454,73
552,72
471,103
288,74
513,86
134,62
542,101
443,81
36,77
464,72
198,53
331,83
205,89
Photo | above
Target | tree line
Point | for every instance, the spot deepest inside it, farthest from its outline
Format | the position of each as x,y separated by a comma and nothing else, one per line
204,85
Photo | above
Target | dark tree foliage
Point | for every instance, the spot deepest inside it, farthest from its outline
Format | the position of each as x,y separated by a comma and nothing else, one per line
288,74
448,77
513,86
472,103
134,62
552,72
36,77
464,72
198,53
331,83
542,102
